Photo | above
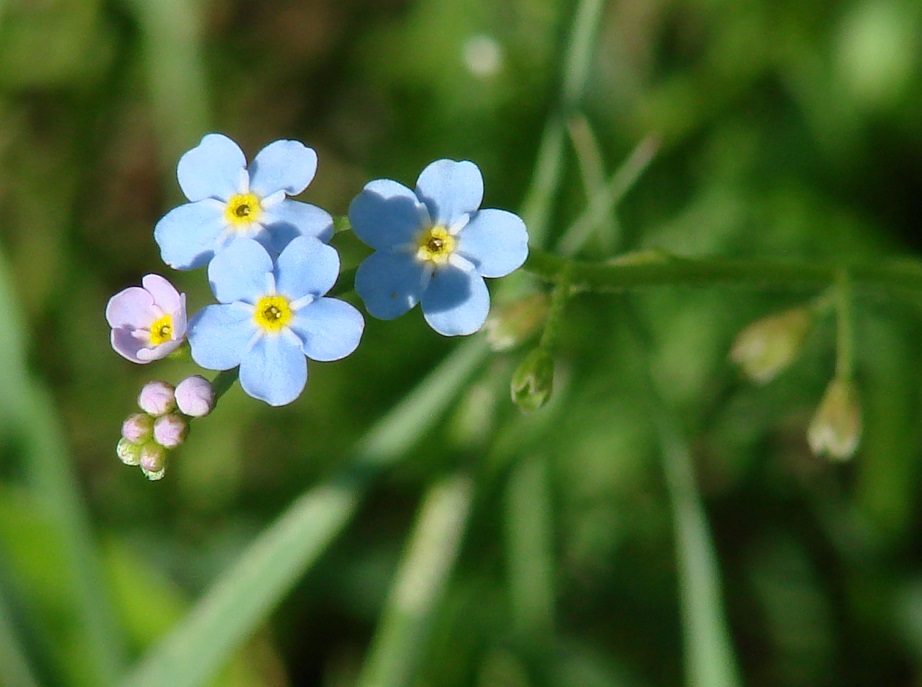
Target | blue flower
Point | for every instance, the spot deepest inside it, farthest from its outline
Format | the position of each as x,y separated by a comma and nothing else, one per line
434,246
272,315
229,201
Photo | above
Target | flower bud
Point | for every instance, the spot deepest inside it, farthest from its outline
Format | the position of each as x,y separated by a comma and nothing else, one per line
195,396
153,460
770,344
170,430
836,427
157,398
137,427
533,380
511,324
128,452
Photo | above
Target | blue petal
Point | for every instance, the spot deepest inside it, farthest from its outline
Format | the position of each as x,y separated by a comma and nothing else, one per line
211,169
306,266
189,235
495,241
275,369
456,302
387,214
291,218
329,329
450,190
220,335
389,284
241,272
282,166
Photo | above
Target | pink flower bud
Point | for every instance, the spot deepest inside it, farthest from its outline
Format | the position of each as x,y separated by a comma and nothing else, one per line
157,398
137,428
170,430
195,396
153,460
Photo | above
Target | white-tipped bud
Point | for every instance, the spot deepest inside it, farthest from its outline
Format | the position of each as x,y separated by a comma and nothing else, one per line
157,398
170,430
511,324
768,345
533,380
137,428
836,427
195,396
153,460
128,452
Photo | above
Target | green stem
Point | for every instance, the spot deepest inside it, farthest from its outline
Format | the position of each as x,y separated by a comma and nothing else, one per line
844,327
559,298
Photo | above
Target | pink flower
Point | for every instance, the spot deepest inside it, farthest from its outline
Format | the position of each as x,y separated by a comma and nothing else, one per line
147,323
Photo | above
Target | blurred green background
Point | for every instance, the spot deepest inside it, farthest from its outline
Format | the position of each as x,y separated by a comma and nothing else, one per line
786,129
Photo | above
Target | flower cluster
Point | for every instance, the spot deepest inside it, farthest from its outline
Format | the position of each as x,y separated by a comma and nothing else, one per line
270,268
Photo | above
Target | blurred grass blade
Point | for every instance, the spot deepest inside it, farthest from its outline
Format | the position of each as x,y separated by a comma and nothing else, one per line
15,669
28,414
411,607
246,593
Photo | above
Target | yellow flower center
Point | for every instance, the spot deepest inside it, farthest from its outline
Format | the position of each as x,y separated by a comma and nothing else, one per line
161,330
435,245
242,209
272,313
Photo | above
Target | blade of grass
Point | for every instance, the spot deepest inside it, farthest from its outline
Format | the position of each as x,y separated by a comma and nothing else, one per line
15,668
243,596
408,615
50,475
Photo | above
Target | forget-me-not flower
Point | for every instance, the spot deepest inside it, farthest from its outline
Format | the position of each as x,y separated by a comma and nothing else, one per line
434,246
148,321
230,201
273,314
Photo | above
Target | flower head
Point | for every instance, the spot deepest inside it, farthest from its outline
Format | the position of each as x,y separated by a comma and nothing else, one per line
231,201
148,321
434,246
273,314
770,344
835,429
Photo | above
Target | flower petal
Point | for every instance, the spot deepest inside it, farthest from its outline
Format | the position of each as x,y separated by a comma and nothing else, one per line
306,266
450,190
220,335
165,295
456,302
274,370
291,218
190,235
387,214
133,307
211,169
151,353
127,345
495,241
389,284
329,329
241,272
282,166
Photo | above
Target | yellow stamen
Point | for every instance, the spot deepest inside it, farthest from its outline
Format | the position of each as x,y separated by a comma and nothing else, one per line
272,313
242,209
435,245
161,330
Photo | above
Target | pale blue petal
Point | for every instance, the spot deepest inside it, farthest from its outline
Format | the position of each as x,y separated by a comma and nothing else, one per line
291,218
306,266
456,302
189,235
389,284
387,214
329,329
211,169
282,166
274,370
495,241
220,335
450,190
240,272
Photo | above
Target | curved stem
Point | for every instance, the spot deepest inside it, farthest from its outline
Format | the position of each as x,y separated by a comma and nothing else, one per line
844,329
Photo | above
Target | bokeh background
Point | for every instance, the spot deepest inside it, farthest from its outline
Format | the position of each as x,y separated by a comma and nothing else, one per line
784,129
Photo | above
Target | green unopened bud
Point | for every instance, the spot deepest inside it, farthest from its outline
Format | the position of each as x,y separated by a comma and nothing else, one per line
533,380
511,324
836,427
128,452
770,344
153,460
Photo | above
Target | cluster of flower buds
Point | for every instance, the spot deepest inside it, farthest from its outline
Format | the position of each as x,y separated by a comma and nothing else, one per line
163,423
